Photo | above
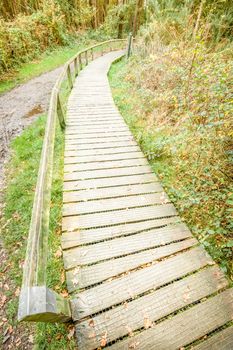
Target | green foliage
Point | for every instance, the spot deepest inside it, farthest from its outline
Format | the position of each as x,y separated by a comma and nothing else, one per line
186,135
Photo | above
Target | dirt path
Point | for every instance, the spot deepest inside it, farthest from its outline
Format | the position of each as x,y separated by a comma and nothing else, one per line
18,109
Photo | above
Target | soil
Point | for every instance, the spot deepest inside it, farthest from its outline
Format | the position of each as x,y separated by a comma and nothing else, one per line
18,109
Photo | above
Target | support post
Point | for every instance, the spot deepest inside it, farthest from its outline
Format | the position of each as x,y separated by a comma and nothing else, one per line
92,54
41,304
86,58
80,61
129,45
60,113
69,77
75,67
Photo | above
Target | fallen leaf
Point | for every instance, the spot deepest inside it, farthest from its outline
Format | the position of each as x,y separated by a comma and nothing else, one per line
2,300
91,323
129,330
58,253
17,292
134,345
147,323
64,293
30,339
71,333
103,341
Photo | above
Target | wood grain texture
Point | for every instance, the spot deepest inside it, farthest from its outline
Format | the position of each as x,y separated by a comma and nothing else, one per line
126,202
112,192
186,327
222,340
82,237
90,275
124,245
131,285
113,174
141,312
71,223
115,164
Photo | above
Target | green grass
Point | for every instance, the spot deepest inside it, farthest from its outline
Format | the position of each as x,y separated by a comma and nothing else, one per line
180,152
46,62
21,180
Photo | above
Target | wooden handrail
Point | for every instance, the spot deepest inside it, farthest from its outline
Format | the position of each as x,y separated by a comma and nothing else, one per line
37,302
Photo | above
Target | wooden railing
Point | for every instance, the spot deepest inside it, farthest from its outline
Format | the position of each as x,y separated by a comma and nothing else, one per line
37,302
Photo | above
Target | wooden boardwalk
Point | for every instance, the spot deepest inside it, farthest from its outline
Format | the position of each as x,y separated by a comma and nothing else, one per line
137,277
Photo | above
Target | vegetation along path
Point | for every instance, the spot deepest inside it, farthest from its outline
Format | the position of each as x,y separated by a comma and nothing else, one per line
137,277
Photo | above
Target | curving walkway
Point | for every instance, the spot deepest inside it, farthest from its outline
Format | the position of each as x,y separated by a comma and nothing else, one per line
137,277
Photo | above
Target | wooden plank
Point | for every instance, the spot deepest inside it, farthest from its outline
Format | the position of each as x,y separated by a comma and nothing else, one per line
103,158
72,239
222,340
100,205
71,223
90,275
124,245
73,129
111,293
102,151
116,173
94,140
104,134
78,132
94,122
111,192
140,313
105,165
185,327
100,146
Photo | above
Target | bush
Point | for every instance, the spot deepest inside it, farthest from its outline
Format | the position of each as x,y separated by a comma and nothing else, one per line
27,36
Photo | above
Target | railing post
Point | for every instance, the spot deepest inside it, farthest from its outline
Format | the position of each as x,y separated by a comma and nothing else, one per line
75,67
92,54
80,62
60,113
69,76
86,58
129,45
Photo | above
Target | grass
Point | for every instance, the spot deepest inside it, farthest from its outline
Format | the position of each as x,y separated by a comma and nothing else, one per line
22,173
189,155
46,62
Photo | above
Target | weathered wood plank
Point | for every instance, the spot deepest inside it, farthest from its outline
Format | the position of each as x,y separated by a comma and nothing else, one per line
124,245
102,151
126,202
127,287
71,223
105,165
94,122
90,275
103,158
99,145
72,239
98,140
222,340
87,129
186,327
112,173
104,134
140,313
111,192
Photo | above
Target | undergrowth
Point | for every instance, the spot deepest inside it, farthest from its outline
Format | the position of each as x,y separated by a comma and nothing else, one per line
22,172
182,122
